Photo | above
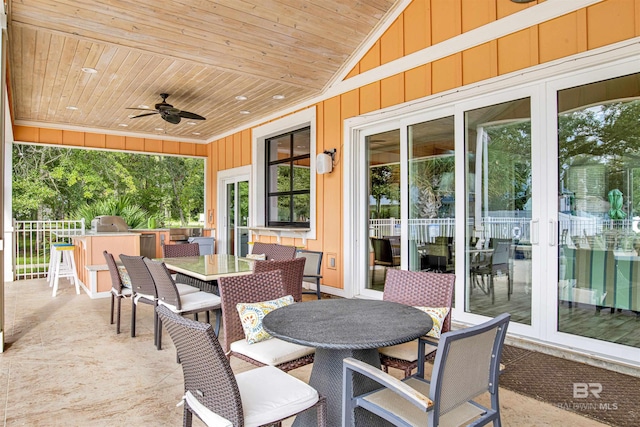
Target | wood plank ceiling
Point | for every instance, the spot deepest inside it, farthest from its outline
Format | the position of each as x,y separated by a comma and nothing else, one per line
203,53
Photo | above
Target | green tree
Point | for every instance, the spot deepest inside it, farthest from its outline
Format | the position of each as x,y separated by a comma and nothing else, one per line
53,183
384,182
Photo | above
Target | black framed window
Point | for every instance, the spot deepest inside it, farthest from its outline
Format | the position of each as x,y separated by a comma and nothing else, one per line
288,179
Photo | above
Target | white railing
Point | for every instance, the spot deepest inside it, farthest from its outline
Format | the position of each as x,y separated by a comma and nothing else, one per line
518,228
31,243
426,230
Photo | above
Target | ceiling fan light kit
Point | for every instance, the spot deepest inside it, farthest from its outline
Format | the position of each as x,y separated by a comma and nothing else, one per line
167,112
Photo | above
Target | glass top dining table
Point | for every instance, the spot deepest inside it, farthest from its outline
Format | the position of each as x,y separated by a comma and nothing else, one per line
210,267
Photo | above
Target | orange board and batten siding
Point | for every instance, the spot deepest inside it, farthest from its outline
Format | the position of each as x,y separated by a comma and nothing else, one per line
425,23
422,24
77,139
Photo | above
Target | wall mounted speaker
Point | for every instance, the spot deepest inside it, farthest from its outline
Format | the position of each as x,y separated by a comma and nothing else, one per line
324,163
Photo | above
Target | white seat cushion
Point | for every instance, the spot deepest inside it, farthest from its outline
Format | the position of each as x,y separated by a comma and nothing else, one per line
126,292
284,396
406,351
184,289
195,301
210,418
271,352
145,296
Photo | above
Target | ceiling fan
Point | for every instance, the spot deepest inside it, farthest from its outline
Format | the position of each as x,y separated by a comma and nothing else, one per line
168,112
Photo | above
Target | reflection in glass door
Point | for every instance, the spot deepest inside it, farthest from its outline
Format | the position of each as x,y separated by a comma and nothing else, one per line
498,242
383,205
431,196
236,218
599,210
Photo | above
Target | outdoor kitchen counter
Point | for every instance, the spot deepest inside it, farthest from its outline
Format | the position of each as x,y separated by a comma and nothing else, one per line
90,262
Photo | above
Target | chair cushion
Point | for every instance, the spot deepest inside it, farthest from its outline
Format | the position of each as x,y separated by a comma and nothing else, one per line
210,418
406,351
126,292
124,276
438,315
184,289
138,297
251,316
285,395
271,352
391,401
195,301
259,257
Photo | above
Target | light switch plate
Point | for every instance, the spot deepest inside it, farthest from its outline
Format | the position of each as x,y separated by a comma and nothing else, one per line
332,263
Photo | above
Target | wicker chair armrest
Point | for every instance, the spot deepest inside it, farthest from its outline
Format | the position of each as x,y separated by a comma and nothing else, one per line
405,391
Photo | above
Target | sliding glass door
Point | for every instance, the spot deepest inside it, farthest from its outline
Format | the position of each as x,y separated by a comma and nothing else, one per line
499,203
599,210
233,208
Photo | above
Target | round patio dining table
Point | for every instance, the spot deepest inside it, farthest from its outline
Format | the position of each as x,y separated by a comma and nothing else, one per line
340,328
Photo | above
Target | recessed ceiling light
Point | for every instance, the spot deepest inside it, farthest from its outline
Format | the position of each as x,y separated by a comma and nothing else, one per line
195,133
71,107
241,98
124,125
89,70
245,112
278,96
191,123
131,116
143,106
159,129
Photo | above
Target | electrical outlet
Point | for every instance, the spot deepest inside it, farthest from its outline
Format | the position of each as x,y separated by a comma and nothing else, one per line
332,262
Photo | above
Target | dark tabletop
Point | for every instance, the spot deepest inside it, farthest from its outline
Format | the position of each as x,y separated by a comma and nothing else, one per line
347,323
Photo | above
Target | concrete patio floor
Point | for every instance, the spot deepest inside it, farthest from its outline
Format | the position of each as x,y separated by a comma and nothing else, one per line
64,365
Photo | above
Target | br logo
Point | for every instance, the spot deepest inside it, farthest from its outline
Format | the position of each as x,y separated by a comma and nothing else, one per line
583,390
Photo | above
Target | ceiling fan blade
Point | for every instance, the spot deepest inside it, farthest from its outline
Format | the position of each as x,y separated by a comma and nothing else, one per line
145,114
171,118
193,116
141,109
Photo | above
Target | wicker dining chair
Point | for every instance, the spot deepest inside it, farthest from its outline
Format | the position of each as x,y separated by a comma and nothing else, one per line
181,250
254,288
418,289
467,365
292,274
182,304
261,396
186,250
118,290
144,291
274,251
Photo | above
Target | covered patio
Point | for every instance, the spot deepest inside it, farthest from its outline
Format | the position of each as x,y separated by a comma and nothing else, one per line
66,366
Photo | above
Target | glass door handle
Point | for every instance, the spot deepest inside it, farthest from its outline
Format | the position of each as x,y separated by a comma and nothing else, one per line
535,231
552,232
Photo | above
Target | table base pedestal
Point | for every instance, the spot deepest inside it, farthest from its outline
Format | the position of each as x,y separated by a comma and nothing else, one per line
326,377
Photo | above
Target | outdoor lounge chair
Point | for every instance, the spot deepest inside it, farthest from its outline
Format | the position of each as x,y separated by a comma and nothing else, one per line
467,365
418,289
261,396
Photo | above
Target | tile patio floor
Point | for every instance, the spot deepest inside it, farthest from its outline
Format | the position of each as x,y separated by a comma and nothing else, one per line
64,365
